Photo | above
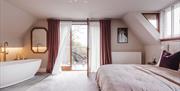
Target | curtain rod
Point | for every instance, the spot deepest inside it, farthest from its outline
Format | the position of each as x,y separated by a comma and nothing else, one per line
91,20
80,20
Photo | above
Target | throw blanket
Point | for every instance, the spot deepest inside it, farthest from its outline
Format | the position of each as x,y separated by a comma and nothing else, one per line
137,78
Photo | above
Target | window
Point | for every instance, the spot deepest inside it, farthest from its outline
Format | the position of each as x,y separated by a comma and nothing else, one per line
79,47
73,44
170,22
153,18
167,30
177,20
74,51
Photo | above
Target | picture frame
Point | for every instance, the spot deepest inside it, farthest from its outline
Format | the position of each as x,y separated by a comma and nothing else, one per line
122,35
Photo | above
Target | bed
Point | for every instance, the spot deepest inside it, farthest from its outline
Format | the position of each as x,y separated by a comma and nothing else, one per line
116,77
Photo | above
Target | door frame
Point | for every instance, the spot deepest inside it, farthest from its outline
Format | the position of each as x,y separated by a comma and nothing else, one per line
69,68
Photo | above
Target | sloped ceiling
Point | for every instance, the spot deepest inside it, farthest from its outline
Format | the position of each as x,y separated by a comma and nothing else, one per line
14,24
82,9
16,16
142,28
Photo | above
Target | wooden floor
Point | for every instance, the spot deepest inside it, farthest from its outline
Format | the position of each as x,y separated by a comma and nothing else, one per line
66,81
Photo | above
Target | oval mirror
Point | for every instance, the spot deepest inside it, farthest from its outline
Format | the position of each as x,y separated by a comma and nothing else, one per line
39,40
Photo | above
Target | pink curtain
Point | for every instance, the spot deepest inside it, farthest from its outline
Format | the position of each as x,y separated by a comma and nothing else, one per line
53,43
105,39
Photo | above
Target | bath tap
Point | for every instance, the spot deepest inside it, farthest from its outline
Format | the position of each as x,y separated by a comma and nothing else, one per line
3,51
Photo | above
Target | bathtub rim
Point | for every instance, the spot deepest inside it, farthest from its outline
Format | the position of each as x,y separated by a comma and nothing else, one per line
18,62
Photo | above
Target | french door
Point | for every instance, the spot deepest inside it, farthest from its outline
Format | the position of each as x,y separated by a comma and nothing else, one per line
79,53
80,46
76,53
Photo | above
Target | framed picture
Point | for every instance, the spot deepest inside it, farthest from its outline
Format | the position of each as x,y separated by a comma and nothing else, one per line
122,35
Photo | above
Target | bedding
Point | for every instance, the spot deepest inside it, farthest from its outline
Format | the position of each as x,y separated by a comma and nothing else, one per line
118,77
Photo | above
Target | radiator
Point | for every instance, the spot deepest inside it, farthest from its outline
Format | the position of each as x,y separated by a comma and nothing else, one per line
126,57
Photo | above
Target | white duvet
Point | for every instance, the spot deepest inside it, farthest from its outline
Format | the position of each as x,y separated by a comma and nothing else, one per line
137,78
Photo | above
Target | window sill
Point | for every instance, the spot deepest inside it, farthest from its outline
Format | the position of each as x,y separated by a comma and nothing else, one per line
170,39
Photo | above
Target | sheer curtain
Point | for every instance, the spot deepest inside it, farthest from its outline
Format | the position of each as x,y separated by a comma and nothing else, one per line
94,46
177,20
63,57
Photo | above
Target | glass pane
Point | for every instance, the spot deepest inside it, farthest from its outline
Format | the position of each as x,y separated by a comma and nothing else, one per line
79,47
152,18
168,22
177,20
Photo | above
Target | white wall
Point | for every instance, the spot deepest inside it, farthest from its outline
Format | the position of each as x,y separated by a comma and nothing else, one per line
15,27
133,45
27,45
15,23
142,28
1,22
151,52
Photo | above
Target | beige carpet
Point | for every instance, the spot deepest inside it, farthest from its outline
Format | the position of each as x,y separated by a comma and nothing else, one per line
66,81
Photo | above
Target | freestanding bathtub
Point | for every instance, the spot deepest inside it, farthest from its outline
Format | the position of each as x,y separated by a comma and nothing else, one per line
13,72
